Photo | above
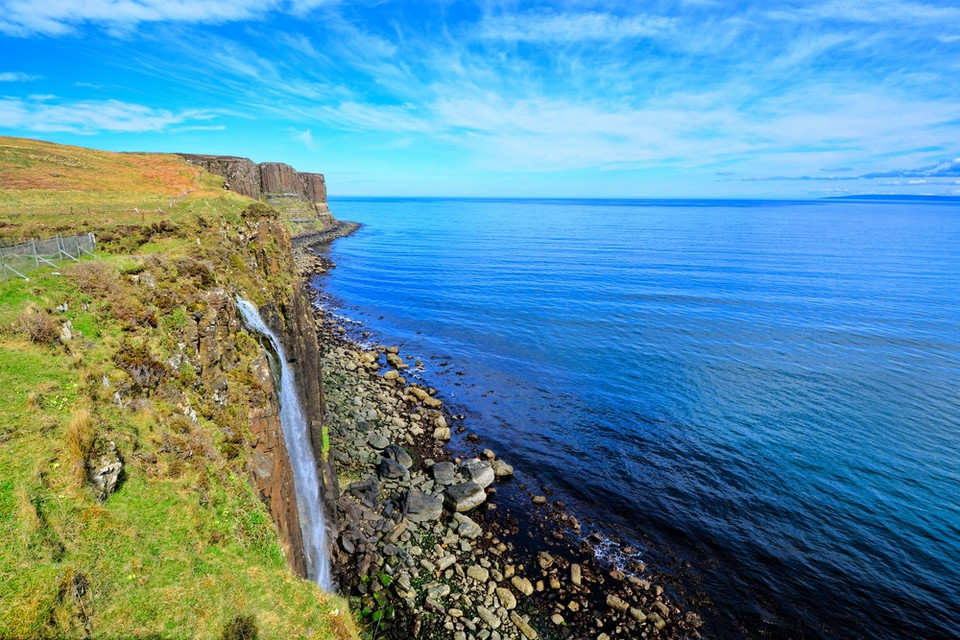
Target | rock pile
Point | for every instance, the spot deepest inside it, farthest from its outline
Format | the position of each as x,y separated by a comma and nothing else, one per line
417,543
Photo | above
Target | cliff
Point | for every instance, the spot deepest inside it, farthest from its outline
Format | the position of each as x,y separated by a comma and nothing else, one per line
145,474
265,181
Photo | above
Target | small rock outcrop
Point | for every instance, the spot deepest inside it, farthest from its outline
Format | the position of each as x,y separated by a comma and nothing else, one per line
104,469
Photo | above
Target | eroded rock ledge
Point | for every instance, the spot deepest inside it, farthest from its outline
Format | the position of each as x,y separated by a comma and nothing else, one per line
264,181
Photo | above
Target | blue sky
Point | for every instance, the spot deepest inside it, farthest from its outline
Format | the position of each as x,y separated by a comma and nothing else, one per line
568,99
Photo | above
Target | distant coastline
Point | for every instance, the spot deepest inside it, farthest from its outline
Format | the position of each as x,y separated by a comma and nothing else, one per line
897,198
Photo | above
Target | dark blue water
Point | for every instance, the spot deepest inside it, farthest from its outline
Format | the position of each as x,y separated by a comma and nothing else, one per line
768,390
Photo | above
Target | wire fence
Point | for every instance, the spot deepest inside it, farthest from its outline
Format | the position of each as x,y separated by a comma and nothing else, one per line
20,259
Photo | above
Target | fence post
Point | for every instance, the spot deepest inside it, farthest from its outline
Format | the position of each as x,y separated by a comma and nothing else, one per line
4,263
36,258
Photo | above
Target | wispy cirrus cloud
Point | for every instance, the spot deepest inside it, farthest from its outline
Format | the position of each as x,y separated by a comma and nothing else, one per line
53,18
870,12
89,117
551,27
17,76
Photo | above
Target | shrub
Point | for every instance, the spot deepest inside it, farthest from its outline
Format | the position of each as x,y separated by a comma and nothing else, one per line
94,278
241,628
38,325
143,368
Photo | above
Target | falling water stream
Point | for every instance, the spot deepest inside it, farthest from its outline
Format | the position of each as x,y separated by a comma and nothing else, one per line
294,423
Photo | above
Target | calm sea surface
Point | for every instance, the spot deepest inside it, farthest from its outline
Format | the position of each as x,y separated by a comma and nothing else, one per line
769,390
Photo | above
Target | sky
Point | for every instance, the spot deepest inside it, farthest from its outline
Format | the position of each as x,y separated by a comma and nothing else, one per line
577,98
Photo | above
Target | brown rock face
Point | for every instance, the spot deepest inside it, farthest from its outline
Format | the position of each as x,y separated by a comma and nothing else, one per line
260,181
271,472
241,174
211,338
292,319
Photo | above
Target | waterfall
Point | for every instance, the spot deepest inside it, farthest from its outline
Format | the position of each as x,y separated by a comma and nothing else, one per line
294,423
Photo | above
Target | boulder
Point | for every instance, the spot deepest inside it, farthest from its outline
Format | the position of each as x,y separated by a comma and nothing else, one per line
467,527
443,473
501,469
464,497
478,471
421,507
392,470
397,454
377,441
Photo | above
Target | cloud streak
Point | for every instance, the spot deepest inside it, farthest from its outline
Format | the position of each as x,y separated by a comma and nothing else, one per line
550,27
89,117
17,76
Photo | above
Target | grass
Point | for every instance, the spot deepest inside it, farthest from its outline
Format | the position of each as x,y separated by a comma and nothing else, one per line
184,548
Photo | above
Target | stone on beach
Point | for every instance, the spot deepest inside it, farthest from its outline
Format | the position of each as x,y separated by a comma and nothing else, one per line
524,627
501,469
466,527
522,585
478,471
421,507
617,604
397,454
507,599
392,470
464,497
443,473
377,441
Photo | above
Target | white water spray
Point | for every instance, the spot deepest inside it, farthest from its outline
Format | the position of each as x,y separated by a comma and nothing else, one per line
294,423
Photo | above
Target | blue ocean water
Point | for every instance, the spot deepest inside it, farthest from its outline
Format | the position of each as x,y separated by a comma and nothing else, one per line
770,390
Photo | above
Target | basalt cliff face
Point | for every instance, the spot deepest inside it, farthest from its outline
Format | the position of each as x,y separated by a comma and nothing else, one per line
211,340
264,181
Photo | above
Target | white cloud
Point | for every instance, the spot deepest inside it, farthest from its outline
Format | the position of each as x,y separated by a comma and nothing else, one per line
571,27
57,17
89,117
306,139
872,12
16,76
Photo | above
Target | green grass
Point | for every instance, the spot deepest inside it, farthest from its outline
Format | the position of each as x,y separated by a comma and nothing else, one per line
184,546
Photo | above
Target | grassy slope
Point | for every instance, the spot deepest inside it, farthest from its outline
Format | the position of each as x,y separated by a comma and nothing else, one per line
184,546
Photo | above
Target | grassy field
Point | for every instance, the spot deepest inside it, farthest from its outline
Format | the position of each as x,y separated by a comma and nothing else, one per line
184,548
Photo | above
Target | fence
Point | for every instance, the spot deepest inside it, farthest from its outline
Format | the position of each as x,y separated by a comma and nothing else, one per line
22,258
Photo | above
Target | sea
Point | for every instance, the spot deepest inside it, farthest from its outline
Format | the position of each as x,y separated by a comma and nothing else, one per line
762,398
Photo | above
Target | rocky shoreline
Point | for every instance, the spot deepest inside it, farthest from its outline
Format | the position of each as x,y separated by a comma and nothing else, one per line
422,548
340,229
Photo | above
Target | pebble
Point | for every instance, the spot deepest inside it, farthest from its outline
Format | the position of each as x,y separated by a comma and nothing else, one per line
478,573
524,627
616,603
488,617
522,585
506,597
575,575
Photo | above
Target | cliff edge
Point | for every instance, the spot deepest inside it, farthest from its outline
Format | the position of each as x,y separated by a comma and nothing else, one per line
267,181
